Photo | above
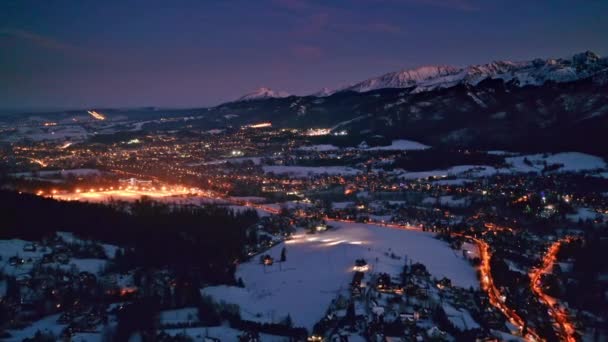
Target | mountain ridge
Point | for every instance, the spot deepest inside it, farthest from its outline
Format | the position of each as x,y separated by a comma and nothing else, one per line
532,72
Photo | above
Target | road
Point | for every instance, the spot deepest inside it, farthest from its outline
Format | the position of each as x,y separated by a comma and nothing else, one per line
496,298
558,313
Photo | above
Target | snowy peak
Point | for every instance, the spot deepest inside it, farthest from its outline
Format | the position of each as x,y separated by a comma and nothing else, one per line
263,93
323,92
404,78
527,73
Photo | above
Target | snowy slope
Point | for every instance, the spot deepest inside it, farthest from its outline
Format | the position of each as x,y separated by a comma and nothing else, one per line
263,93
319,267
535,72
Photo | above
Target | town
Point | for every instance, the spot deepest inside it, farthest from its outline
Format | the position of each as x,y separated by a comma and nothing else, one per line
336,237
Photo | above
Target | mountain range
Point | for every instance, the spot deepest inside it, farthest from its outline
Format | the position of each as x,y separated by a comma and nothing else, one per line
537,105
542,104
425,78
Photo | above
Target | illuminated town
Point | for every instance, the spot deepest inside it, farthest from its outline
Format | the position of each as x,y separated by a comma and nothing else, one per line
144,198
307,195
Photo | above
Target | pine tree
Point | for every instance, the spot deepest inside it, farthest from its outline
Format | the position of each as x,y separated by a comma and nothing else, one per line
288,321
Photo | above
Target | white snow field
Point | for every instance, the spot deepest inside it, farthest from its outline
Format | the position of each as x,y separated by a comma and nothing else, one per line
223,333
400,145
572,161
179,316
47,325
472,171
319,148
305,171
319,266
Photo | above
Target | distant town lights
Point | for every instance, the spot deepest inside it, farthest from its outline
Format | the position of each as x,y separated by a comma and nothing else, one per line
318,131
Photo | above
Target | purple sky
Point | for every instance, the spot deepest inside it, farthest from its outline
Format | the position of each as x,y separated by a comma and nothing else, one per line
86,53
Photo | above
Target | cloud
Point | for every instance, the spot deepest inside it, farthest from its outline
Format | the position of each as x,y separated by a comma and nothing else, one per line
37,40
460,5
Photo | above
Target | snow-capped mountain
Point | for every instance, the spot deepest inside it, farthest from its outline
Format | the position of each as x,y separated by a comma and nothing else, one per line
263,93
323,92
535,72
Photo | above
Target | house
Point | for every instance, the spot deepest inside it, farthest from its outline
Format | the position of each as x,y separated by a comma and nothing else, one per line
435,332
29,247
268,260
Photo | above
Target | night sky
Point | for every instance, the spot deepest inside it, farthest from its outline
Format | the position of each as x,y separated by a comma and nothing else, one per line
85,53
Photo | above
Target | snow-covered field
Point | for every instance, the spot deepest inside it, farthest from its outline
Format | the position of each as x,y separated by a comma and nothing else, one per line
15,247
572,161
400,145
223,333
45,325
459,170
319,148
448,201
586,214
319,266
460,318
239,160
179,316
94,266
59,173
304,171
72,132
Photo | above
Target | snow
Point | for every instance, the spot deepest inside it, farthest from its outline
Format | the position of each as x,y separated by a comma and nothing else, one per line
94,266
14,247
305,171
239,160
585,214
46,325
462,170
240,208
179,316
535,73
263,93
471,250
110,250
448,201
457,181
223,333
572,161
319,266
252,199
55,133
460,318
342,205
59,173
319,148
87,337
400,145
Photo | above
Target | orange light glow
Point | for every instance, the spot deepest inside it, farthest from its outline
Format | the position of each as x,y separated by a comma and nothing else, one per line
96,115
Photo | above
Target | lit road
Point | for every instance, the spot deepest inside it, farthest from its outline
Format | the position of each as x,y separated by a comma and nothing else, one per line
559,315
496,298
